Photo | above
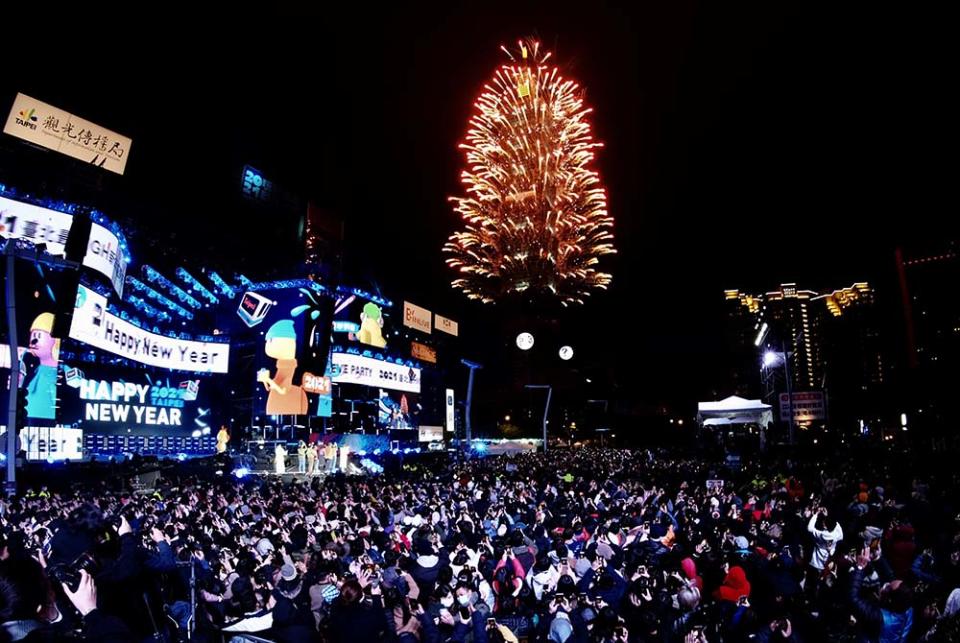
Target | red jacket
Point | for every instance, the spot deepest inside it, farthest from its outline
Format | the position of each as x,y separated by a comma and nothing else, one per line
734,586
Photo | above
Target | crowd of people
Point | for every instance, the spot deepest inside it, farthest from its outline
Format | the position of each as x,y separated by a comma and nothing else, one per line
573,546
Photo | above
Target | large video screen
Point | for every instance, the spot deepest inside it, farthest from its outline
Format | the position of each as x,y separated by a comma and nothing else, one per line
38,351
359,321
112,400
398,410
292,326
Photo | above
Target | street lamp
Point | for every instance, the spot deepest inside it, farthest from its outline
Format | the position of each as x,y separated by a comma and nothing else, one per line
546,408
473,366
770,359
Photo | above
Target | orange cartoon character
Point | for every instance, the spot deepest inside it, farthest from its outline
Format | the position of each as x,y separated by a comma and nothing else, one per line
285,398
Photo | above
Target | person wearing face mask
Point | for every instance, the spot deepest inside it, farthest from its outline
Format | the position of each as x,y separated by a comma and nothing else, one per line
467,596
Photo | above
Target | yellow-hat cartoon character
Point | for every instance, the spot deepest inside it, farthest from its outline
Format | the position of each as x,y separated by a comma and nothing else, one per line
371,325
40,369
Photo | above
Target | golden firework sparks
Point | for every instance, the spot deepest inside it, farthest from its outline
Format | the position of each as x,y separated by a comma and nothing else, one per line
534,212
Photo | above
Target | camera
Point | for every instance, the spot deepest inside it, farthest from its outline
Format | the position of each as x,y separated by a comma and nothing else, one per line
69,574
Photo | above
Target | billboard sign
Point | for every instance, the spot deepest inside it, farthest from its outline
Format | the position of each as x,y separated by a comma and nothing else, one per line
451,411
55,129
356,369
423,352
33,223
808,406
94,325
416,317
445,325
431,433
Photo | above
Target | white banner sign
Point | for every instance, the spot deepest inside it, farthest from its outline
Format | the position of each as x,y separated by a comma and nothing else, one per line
93,325
451,412
20,220
355,369
47,126
416,317
446,325
430,433
30,222
104,256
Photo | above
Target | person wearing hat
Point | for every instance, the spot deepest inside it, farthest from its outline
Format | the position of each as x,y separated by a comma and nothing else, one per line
292,620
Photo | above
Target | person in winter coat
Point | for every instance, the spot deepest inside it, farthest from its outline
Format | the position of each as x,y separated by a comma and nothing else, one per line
426,568
351,620
888,621
901,550
734,586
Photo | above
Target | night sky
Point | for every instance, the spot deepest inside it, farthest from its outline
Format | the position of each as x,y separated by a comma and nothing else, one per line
744,147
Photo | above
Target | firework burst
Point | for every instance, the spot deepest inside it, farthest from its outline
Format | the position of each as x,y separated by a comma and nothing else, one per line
535,219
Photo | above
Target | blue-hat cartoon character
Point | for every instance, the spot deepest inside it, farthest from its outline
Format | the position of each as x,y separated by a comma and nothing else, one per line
285,398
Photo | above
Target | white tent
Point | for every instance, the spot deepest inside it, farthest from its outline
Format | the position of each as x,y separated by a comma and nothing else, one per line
734,410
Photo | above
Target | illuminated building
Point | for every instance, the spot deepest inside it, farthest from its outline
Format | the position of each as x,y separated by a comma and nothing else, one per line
928,280
931,337
831,338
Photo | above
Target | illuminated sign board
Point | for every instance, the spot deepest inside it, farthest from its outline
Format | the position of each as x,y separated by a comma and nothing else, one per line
445,325
451,412
430,433
254,185
116,400
355,369
423,352
808,406
416,317
93,325
316,384
30,222
47,126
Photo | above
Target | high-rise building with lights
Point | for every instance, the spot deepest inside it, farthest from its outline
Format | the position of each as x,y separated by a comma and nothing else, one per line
931,320
830,339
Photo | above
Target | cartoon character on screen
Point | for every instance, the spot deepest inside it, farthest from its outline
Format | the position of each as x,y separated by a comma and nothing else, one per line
39,368
285,398
371,326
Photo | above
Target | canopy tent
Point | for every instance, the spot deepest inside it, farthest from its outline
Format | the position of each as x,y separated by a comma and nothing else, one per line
734,410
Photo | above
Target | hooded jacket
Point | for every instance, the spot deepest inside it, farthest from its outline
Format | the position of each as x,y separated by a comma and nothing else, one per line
734,586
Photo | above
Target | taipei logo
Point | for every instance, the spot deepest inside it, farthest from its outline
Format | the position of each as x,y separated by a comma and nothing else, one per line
27,118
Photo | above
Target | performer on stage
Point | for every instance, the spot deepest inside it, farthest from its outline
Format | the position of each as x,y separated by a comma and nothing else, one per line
223,437
311,458
302,457
280,458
